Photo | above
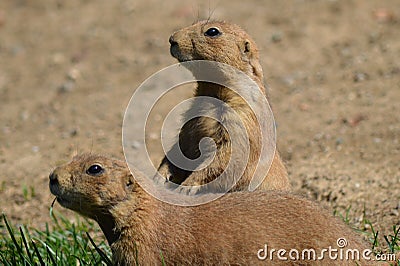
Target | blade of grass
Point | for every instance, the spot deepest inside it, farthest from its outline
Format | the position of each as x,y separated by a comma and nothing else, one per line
101,253
49,252
10,231
50,255
162,258
53,217
79,261
392,242
396,233
389,243
38,253
375,234
4,260
25,244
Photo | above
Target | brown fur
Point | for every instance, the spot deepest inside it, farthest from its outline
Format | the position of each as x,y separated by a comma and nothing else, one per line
236,48
230,230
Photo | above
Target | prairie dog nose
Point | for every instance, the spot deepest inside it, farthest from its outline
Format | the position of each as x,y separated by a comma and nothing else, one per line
172,40
53,178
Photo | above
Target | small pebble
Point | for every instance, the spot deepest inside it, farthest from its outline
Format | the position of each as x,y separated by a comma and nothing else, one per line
384,15
276,37
304,107
377,140
135,145
339,141
66,86
351,96
360,76
73,132
73,74
25,115
153,136
58,59
318,136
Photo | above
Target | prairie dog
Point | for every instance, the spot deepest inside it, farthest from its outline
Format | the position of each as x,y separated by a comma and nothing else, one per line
229,44
231,230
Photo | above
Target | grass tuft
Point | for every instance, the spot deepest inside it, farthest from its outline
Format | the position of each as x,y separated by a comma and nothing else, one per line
62,243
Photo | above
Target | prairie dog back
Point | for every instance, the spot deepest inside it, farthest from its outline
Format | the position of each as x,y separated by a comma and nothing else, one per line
238,228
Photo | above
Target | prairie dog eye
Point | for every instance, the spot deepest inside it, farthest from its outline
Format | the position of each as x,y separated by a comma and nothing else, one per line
95,170
212,32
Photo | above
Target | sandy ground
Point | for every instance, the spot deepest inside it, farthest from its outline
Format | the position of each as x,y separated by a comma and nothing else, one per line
69,68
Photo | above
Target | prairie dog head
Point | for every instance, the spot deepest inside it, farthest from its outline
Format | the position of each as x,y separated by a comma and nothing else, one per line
217,41
91,184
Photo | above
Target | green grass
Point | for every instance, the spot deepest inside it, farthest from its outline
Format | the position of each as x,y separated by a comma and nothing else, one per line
62,243
391,243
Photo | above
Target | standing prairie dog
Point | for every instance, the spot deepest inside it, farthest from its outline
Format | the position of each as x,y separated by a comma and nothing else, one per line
229,44
240,228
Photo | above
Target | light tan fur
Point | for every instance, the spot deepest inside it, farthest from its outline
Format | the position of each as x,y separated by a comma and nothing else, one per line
228,231
236,48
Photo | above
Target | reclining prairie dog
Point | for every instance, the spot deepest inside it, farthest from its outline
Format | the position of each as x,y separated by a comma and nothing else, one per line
229,44
234,229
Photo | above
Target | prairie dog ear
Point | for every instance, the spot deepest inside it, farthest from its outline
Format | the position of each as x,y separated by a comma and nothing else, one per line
251,54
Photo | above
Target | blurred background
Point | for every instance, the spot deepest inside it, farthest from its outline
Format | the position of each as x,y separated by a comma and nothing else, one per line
69,68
